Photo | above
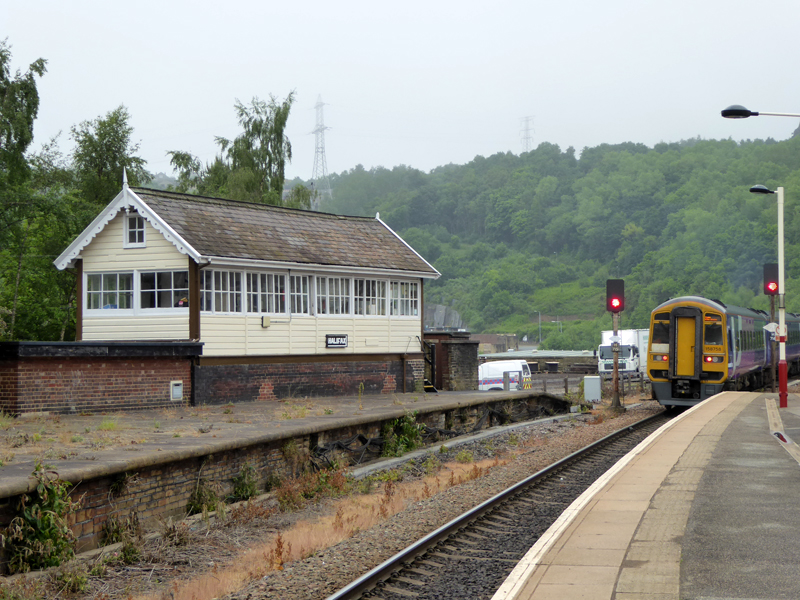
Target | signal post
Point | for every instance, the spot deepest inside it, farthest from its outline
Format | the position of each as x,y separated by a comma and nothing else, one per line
771,279
615,302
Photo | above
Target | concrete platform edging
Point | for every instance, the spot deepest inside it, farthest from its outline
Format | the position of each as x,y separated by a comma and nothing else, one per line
543,557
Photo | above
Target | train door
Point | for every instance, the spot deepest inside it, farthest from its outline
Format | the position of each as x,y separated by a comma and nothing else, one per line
686,339
686,345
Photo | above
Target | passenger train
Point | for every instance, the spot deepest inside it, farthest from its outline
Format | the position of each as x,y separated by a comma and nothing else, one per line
700,347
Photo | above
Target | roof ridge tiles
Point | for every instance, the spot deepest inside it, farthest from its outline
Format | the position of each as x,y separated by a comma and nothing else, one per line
185,196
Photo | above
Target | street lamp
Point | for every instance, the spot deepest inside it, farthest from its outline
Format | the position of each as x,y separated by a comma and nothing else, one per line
737,111
781,331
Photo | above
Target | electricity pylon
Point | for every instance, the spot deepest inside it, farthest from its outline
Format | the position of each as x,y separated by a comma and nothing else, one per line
319,177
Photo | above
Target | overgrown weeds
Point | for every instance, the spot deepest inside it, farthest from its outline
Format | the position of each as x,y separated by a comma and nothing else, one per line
401,435
108,424
39,535
175,533
245,484
296,493
204,498
71,578
6,420
23,589
117,529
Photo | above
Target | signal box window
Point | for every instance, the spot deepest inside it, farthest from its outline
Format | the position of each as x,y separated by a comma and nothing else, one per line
134,231
109,290
164,289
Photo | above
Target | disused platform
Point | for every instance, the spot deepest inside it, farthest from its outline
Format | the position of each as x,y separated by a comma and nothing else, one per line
708,507
151,461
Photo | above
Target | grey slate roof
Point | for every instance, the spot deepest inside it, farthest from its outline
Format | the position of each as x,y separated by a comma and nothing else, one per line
242,230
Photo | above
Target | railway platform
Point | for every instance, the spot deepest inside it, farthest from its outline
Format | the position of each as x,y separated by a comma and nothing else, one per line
707,508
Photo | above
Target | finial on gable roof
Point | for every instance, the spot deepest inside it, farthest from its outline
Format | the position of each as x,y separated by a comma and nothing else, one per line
378,216
124,179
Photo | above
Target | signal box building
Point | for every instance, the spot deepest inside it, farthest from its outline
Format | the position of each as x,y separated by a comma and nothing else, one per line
284,302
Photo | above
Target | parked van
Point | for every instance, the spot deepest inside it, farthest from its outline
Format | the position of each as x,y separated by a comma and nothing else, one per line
490,375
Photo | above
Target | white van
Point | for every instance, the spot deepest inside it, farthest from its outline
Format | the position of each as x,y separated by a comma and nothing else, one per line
490,375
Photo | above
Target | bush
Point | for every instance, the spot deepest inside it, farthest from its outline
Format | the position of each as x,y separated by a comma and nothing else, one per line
402,435
245,483
39,536
204,498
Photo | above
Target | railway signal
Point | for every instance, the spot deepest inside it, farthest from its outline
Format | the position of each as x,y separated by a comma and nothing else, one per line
771,279
615,295
615,302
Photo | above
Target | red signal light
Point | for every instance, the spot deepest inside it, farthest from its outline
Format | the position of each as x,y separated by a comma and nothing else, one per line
771,279
615,295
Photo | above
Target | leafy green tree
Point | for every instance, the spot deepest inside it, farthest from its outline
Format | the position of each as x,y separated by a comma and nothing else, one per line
19,106
252,166
103,149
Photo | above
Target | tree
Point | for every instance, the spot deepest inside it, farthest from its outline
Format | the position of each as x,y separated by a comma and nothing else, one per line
103,149
19,106
250,167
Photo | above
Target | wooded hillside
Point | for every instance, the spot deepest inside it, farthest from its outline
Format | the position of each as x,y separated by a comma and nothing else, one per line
513,235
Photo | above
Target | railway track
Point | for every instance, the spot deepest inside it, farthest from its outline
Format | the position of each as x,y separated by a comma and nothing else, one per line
471,556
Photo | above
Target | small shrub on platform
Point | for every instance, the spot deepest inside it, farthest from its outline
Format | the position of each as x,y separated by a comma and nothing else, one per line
39,536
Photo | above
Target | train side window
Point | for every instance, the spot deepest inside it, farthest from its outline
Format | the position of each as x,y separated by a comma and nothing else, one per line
713,334
660,333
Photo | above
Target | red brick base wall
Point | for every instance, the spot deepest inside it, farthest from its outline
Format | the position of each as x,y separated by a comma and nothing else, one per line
83,384
308,377
67,378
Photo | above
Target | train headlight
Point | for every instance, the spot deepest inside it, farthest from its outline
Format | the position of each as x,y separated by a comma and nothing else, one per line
660,358
712,359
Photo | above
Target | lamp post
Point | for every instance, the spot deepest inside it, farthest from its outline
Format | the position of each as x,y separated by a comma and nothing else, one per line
783,395
540,325
737,111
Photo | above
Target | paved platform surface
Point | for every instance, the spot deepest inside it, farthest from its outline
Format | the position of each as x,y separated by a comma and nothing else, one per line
707,508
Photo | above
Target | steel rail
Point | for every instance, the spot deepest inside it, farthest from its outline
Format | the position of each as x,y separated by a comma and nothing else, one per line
384,570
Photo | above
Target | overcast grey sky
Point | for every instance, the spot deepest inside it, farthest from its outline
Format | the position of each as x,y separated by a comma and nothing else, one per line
422,82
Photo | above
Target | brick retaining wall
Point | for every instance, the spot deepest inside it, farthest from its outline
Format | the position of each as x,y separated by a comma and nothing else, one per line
163,489
233,381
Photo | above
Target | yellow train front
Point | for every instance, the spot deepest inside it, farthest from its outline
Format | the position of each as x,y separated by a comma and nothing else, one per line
700,347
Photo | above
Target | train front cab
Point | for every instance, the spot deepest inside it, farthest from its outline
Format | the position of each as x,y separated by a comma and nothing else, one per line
687,361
